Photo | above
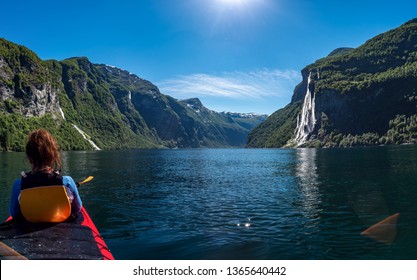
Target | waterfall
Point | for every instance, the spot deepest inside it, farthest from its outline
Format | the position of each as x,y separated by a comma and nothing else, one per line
307,119
86,137
62,113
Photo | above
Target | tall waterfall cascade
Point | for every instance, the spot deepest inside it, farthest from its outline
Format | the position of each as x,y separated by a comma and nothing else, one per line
307,119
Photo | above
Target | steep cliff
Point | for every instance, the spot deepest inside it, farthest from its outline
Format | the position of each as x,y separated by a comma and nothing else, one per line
29,98
97,106
362,96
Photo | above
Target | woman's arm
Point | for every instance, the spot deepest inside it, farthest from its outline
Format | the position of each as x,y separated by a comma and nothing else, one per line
76,203
14,200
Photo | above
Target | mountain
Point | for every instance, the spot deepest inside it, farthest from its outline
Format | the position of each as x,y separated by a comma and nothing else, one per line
361,96
97,106
246,120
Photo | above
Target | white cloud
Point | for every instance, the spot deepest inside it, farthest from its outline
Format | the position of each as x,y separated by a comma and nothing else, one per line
259,84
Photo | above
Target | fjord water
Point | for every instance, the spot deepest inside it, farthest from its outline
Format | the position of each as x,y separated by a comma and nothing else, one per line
244,203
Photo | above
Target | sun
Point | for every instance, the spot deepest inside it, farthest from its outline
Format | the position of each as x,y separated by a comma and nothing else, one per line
226,14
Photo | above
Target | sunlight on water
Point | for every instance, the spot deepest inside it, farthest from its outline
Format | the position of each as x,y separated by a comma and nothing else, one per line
307,174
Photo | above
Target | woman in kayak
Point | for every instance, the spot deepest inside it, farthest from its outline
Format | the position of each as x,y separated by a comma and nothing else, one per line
43,195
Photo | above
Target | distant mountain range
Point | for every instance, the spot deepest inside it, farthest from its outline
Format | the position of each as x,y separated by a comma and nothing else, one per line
361,96
97,106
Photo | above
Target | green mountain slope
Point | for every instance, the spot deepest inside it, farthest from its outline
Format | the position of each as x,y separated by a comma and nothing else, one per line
277,129
362,96
91,106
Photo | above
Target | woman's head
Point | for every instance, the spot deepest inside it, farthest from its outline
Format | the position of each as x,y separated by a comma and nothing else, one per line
42,151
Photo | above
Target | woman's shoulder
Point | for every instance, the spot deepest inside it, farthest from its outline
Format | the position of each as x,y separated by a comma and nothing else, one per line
68,179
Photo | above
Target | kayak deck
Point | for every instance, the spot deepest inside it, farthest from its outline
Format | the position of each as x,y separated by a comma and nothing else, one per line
78,240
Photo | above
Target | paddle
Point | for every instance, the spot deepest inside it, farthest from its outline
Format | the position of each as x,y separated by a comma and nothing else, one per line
384,231
88,179
7,253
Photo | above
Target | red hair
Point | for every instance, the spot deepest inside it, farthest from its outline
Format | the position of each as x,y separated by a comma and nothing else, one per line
42,151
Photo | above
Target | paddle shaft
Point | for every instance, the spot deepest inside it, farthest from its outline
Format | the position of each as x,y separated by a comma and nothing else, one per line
8,253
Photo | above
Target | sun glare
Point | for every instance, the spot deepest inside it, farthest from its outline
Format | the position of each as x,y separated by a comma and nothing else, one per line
228,16
233,2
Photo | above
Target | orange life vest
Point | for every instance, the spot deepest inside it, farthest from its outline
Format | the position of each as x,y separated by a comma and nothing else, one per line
44,198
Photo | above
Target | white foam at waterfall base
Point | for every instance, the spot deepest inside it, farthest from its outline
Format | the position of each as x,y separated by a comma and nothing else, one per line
307,119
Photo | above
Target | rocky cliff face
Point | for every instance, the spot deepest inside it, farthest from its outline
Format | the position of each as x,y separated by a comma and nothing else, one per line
362,96
89,105
23,77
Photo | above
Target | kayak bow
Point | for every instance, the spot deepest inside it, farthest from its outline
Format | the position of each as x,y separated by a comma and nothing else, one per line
77,239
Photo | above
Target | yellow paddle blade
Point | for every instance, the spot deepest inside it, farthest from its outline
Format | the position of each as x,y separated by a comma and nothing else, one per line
88,179
385,231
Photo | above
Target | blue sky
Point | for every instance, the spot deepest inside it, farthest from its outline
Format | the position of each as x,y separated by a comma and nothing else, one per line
235,55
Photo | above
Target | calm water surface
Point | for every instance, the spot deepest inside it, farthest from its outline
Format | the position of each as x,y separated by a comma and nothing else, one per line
243,203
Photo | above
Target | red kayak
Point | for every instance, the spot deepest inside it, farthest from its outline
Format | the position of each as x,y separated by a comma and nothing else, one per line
77,240
104,250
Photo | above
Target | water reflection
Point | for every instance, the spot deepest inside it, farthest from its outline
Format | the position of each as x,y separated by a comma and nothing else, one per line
306,172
